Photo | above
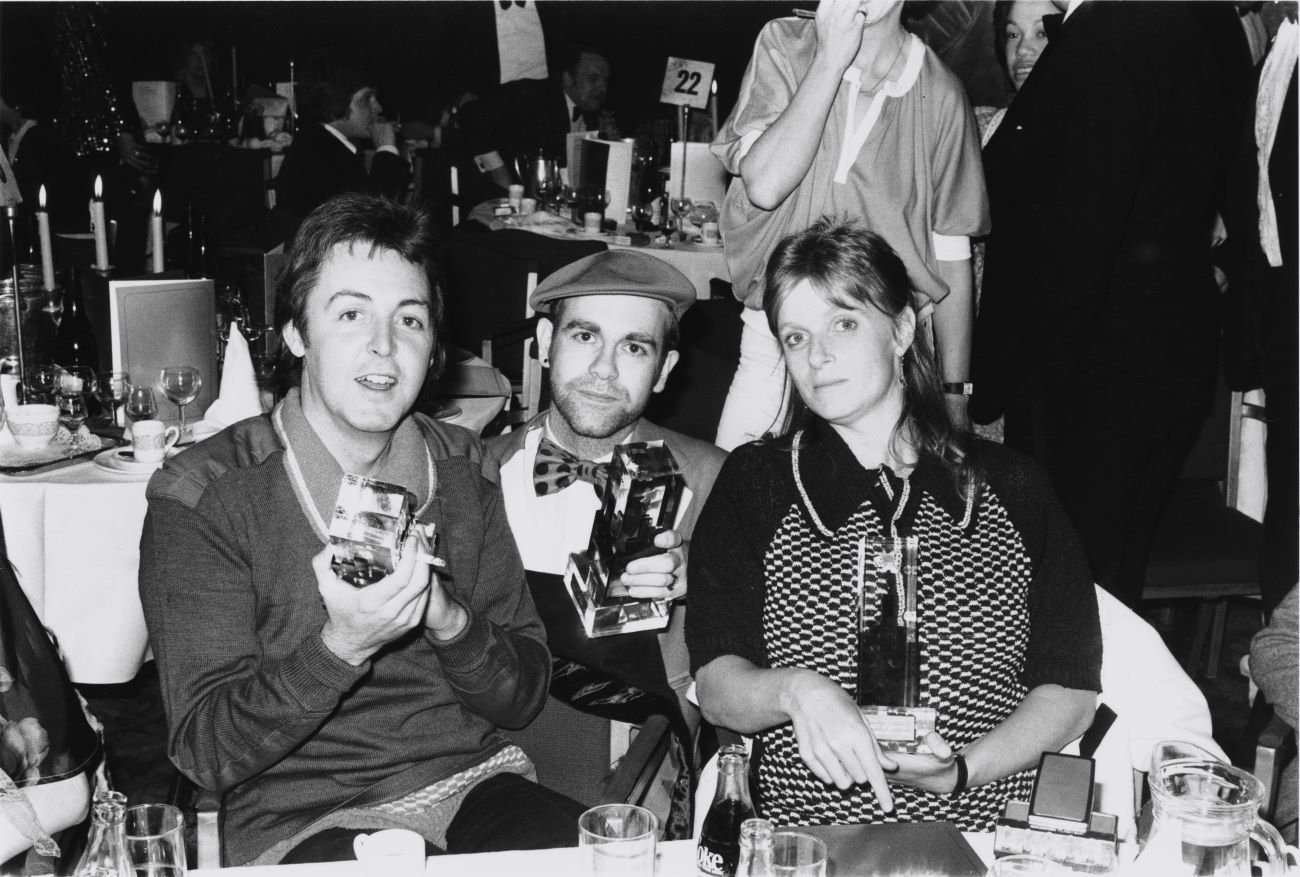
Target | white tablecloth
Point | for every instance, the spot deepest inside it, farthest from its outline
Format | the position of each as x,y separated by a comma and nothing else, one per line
73,536
675,859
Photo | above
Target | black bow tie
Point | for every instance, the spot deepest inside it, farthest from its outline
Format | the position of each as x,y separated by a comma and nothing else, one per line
1052,25
555,469
577,113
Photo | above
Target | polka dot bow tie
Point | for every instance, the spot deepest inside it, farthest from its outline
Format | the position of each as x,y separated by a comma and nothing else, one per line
555,469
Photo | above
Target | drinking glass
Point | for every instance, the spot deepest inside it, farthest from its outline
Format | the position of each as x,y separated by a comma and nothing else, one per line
795,854
679,207
181,384
141,403
111,389
72,410
155,840
40,383
615,840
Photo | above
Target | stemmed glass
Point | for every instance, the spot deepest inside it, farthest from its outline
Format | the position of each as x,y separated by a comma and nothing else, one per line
72,410
181,384
40,383
679,207
141,403
111,389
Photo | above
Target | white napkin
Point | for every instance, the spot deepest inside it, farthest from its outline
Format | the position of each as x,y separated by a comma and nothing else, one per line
238,398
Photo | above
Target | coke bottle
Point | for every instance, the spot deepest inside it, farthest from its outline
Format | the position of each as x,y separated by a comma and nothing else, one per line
720,837
756,849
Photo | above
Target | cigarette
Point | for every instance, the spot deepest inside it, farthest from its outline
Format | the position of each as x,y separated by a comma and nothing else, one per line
426,557
800,12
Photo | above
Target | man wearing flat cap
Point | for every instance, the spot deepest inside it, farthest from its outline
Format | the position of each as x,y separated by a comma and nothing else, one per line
607,334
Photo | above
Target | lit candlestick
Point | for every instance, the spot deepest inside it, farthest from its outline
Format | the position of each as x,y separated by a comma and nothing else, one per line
99,225
156,232
713,106
47,252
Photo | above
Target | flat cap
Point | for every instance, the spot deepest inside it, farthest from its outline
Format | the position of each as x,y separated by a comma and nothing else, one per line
616,272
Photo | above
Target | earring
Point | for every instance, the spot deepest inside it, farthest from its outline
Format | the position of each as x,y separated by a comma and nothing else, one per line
902,379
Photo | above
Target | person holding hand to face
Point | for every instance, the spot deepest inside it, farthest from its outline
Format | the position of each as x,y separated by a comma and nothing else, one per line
1010,643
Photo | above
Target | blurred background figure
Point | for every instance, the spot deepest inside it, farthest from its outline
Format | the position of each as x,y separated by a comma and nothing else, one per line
1274,662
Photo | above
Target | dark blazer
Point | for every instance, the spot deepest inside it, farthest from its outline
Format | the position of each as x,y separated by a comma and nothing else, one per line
318,167
518,118
1101,189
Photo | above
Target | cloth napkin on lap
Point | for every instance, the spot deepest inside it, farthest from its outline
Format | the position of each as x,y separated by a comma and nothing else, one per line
238,398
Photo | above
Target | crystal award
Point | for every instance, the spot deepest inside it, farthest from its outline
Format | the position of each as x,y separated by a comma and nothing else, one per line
370,522
639,502
889,653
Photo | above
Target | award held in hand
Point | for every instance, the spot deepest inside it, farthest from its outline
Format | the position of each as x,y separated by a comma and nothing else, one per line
639,502
889,652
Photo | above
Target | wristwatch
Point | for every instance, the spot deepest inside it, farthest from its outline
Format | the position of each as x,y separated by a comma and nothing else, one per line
959,388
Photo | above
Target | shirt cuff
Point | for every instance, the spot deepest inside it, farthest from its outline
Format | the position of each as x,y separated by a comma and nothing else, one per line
951,247
388,147
489,161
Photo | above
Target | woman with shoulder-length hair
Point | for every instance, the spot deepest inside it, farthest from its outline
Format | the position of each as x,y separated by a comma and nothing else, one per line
1010,645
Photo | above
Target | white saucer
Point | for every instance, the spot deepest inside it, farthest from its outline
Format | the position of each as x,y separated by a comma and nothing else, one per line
123,462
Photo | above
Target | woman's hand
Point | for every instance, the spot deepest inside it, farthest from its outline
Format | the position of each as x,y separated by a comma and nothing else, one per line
839,32
834,741
936,772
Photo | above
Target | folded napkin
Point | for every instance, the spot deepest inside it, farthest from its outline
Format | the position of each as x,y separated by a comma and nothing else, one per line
238,398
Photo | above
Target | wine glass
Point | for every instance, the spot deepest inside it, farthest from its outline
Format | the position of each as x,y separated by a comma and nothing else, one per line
111,389
181,384
141,403
40,383
72,410
679,207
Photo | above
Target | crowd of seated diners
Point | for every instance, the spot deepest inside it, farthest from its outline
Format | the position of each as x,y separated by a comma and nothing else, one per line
972,345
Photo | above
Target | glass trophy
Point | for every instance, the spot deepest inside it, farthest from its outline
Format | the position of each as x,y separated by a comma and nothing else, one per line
889,653
639,502
370,522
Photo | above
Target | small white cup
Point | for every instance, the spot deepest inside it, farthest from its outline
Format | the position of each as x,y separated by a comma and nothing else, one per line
516,196
393,852
709,234
152,439
591,222
528,206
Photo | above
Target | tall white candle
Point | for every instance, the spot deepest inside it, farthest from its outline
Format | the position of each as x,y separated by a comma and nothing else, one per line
47,252
713,106
156,232
99,225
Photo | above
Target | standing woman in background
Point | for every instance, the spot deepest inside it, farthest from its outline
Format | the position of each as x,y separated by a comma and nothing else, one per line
849,114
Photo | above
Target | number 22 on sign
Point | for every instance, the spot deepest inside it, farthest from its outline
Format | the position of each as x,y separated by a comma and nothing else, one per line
686,83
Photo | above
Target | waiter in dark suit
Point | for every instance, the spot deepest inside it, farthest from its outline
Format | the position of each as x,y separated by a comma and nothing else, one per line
325,159
1098,325
524,116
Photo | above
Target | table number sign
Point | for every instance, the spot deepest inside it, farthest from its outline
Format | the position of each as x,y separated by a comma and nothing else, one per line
686,83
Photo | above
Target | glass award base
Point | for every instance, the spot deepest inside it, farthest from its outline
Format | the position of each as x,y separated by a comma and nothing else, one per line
604,614
901,728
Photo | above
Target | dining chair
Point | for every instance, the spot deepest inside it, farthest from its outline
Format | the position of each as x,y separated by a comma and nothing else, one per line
1205,549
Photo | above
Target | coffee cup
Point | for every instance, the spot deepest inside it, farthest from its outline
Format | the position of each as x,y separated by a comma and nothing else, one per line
528,206
33,425
516,198
393,852
152,439
709,234
591,222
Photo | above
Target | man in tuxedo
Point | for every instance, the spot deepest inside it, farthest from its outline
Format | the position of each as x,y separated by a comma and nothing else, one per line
524,116
1098,323
325,159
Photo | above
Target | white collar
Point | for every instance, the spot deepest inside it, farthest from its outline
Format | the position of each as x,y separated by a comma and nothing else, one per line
16,139
352,147
855,138
1069,10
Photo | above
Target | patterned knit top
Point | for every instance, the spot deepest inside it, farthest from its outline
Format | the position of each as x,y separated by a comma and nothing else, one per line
1005,603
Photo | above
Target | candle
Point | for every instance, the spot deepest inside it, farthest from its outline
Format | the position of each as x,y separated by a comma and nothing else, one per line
156,232
47,252
99,225
207,78
713,106
234,73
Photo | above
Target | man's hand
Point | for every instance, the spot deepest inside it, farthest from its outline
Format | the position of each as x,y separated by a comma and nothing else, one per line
134,155
24,744
444,617
834,741
659,576
364,620
839,33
